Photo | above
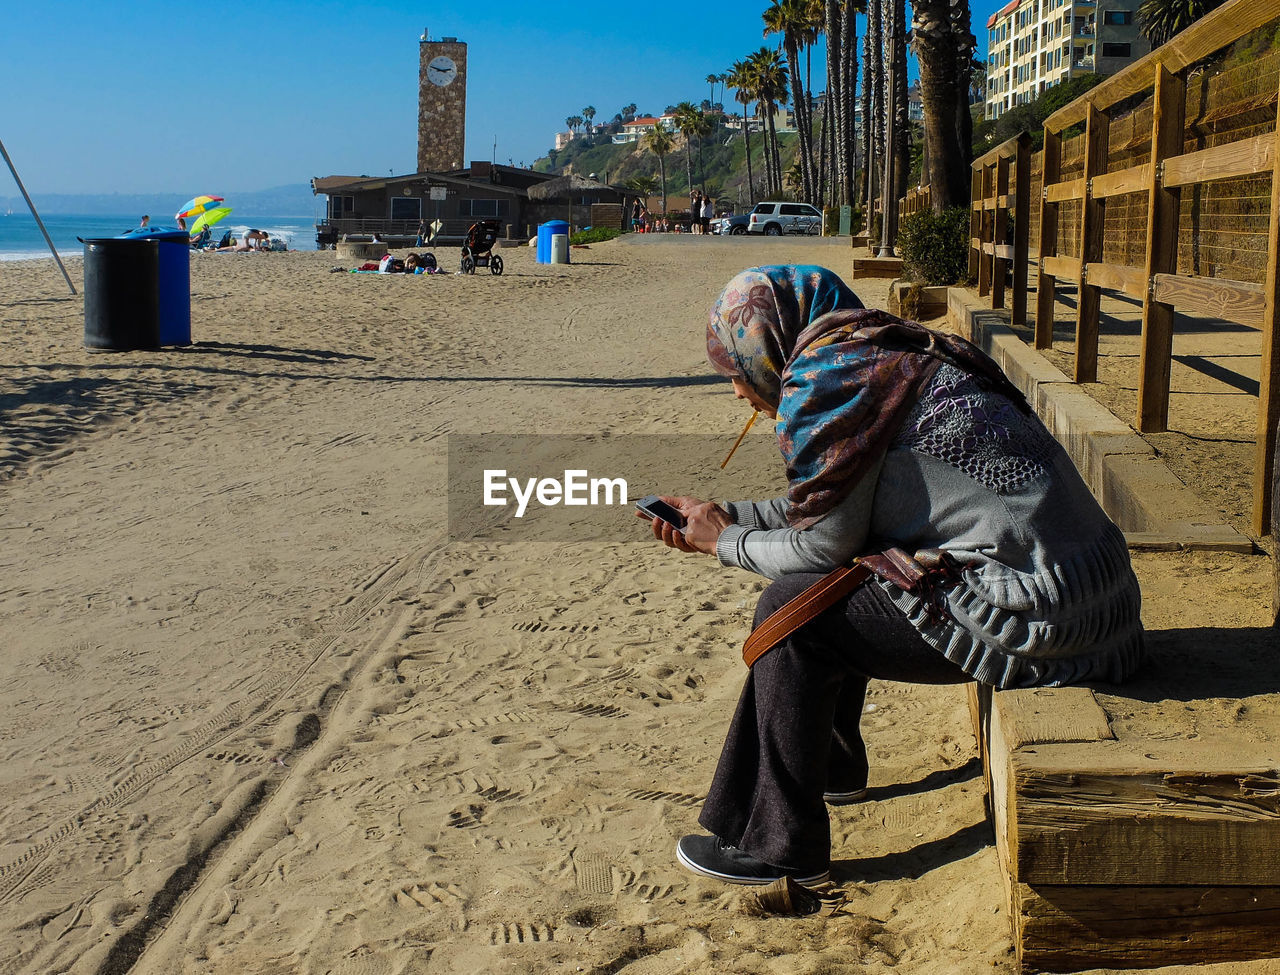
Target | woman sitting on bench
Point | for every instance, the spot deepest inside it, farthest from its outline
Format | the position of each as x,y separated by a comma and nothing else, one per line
989,559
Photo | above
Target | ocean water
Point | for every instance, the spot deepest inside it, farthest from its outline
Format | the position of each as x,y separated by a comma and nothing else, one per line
20,237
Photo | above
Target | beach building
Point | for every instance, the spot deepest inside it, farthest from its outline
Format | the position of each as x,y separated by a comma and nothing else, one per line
393,207
1035,44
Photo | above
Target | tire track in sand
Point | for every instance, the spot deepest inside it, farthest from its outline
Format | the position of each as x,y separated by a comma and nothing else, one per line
20,873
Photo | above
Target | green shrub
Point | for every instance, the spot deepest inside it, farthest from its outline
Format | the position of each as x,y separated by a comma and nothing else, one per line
595,235
935,248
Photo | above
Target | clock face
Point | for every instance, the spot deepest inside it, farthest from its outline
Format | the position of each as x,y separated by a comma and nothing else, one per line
441,71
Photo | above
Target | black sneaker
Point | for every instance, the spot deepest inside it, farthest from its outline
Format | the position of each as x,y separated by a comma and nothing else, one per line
713,857
844,798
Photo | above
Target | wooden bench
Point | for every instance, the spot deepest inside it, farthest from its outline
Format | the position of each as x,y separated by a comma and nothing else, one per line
1127,853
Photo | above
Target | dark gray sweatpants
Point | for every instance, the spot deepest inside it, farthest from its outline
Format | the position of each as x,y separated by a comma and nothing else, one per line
795,733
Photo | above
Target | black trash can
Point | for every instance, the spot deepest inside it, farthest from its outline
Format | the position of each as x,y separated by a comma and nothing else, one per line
121,294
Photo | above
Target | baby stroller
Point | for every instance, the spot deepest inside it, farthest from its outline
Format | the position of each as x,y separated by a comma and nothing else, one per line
477,249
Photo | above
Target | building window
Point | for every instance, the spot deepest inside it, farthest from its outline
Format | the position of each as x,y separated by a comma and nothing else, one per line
406,208
1117,17
341,205
1115,50
482,208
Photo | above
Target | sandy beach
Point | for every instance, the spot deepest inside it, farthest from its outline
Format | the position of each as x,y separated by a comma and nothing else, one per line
261,714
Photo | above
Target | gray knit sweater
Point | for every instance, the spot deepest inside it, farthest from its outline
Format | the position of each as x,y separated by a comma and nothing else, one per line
1048,596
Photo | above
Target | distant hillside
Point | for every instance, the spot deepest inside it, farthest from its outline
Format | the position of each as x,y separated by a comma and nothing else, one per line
722,170
294,200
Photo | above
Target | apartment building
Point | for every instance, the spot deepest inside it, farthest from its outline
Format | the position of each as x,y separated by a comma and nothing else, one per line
1035,44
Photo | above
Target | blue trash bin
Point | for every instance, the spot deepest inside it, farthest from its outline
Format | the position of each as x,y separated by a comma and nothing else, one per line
173,281
545,232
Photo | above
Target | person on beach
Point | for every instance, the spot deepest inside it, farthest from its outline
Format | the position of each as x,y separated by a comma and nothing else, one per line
695,211
146,220
251,240
708,211
995,562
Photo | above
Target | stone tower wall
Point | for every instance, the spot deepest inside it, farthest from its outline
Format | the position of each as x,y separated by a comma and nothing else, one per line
442,111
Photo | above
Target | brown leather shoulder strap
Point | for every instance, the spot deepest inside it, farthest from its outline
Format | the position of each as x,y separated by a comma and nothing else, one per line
821,595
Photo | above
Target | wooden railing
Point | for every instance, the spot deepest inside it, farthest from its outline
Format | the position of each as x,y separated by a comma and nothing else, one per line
1167,170
918,198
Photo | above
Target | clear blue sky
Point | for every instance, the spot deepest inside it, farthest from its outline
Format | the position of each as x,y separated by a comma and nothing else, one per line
139,96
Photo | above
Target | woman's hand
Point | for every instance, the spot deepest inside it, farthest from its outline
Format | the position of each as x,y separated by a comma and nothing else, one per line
704,522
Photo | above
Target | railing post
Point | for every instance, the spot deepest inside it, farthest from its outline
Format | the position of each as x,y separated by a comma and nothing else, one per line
988,223
1021,228
1163,204
975,220
1096,132
999,231
1269,368
1051,171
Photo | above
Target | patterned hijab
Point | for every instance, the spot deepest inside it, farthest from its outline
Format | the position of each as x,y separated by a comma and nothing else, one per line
842,377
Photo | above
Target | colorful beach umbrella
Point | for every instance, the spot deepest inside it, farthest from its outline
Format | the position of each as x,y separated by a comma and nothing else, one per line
198,204
208,219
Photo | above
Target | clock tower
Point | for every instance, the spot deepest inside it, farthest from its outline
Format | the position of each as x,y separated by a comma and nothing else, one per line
442,103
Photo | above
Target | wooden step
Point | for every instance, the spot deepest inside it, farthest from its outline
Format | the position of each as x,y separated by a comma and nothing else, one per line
876,267
1128,853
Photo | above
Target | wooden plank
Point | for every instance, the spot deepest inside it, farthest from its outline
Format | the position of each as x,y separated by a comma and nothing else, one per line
1275,533
1032,717
1000,226
1072,189
1051,169
1092,228
1004,252
1232,301
1008,148
975,243
1131,180
1163,204
1269,369
1137,813
1021,228
1117,277
1210,33
988,248
1071,928
1066,268
1248,157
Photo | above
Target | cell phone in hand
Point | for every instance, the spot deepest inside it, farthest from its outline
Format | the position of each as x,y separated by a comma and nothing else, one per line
655,507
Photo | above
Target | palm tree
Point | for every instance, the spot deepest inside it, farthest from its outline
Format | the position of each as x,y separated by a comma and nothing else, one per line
769,82
739,79
588,114
944,96
628,112
791,19
841,26
660,142
572,121
643,186
687,120
1159,20
711,80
